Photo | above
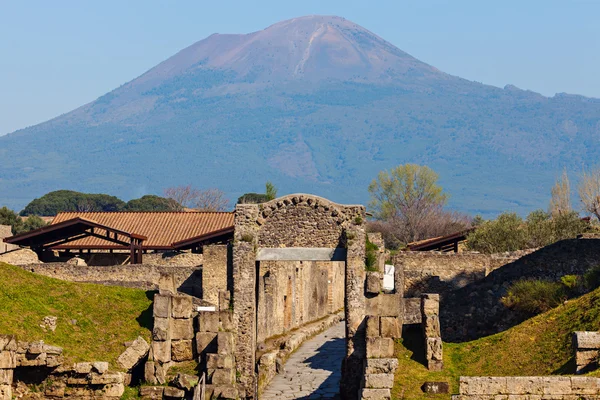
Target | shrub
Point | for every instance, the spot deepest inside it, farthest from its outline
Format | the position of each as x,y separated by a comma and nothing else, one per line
571,282
506,233
591,278
370,255
534,296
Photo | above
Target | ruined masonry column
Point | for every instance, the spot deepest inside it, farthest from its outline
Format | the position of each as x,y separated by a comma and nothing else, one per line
244,296
354,303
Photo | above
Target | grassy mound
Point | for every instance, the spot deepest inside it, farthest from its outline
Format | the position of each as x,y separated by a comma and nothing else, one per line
538,346
93,320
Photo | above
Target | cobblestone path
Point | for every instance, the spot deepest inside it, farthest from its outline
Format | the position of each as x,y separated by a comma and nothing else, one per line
313,371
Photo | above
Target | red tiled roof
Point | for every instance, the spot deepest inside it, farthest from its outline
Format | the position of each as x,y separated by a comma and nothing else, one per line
161,228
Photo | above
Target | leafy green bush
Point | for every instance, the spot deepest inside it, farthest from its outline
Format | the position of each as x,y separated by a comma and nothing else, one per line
253,198
571,282
534,296
506,233
591,278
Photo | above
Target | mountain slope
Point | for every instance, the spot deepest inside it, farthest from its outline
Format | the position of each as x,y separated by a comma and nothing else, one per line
314,104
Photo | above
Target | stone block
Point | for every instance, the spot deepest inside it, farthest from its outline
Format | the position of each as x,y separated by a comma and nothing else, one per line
36,347
160,371
226,321
166,284
173,393
430,304
162,329
100,366
206,342
391,327
55,390
162,306
486,385
582,385
52,350
228,392
31,360
586,340
181,350
107,379
373,326
381,365
380,347
182,306
54,361
375,394
150,373
215,361
5,392
114,390
526,385
556,385
152,392
8,359
373,282
8,342
224,300
208,321
82,368
222,376
435,387
185,382
431,326
134,353
379,381
182,329
412,310
6,376
433,349
390,305
161,351
225,343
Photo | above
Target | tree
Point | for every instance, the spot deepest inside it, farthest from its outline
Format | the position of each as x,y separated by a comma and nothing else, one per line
589,191
407,197
32,222
560,202
211,200
270,190
152,202
9,217
187,196
67,200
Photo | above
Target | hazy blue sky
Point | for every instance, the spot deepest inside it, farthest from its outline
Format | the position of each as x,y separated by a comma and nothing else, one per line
57,55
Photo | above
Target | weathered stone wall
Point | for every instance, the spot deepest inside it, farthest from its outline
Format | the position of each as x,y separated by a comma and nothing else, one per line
430,316
141,276
293,293
528,387
436,272
5,231
215,272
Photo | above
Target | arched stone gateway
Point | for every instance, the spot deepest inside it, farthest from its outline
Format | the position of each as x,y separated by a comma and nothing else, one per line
294,229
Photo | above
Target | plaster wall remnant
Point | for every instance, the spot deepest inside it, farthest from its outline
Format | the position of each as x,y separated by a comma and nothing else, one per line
437,272
294,221
214,272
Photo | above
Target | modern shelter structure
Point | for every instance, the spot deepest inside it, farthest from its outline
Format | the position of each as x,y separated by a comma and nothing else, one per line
136,232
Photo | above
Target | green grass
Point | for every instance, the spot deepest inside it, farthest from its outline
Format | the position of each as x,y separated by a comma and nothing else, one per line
538,346
106,316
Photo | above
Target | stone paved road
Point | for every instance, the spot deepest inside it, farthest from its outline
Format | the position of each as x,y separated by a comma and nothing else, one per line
313,371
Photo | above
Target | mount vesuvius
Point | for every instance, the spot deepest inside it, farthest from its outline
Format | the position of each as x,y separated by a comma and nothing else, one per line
315,104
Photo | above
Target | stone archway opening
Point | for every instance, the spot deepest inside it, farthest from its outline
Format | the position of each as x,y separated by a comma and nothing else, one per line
294,259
